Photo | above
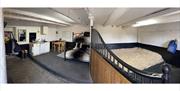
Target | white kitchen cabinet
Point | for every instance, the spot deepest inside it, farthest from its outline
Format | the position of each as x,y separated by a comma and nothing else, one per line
34,49
44,47
39,48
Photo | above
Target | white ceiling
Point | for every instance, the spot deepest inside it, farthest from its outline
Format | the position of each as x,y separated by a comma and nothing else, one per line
48,12
118,16
134,13
102,16
79,15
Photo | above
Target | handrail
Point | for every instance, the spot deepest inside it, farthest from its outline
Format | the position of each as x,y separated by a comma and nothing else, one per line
133,74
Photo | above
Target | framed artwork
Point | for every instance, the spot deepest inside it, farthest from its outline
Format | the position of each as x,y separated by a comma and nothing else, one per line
21,35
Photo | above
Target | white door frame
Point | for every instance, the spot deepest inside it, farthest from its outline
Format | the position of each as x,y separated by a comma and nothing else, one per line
3,74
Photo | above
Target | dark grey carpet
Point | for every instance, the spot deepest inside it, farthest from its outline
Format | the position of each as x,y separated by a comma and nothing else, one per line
72,70
174,74
26,71
155,68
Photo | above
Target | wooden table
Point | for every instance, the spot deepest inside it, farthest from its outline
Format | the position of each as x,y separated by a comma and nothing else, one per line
58,46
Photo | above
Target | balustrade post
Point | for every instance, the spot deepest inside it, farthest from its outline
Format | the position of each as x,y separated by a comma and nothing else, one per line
166,73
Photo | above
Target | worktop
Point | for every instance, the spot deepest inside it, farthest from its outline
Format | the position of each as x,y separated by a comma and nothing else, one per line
39,48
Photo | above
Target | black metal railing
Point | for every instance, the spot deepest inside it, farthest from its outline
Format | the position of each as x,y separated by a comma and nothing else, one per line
132,74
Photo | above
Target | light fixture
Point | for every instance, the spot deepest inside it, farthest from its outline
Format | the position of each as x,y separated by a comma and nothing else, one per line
145,22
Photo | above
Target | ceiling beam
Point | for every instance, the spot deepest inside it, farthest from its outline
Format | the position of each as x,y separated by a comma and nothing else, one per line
33,15
31,19
108,18
115,16
151,15
66,12
64,16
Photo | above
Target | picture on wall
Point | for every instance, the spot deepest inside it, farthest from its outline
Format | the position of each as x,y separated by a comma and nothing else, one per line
21,35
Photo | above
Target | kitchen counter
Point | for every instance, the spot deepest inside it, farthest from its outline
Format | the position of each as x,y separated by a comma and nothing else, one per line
38,48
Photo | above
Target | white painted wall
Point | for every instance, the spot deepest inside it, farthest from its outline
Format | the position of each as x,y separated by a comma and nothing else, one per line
113,34
55,33
64,33
160,34
3,76
29,29
75,28
51,28
51,36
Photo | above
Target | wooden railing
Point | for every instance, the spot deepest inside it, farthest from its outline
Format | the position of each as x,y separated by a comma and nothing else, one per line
106,66
103,72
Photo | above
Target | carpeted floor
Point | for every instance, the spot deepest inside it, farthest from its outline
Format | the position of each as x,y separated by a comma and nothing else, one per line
174,73
49,68
72,70
26,71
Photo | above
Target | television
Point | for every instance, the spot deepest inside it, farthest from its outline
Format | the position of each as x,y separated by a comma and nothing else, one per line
32,37
87,34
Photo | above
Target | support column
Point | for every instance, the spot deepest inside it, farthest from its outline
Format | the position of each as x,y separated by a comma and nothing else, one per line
3,74
91,18
91,24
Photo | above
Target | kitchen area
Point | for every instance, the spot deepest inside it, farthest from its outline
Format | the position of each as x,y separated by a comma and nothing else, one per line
41,45
36,40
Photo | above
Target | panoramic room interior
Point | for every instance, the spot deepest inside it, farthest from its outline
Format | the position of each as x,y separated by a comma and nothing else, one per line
92,45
